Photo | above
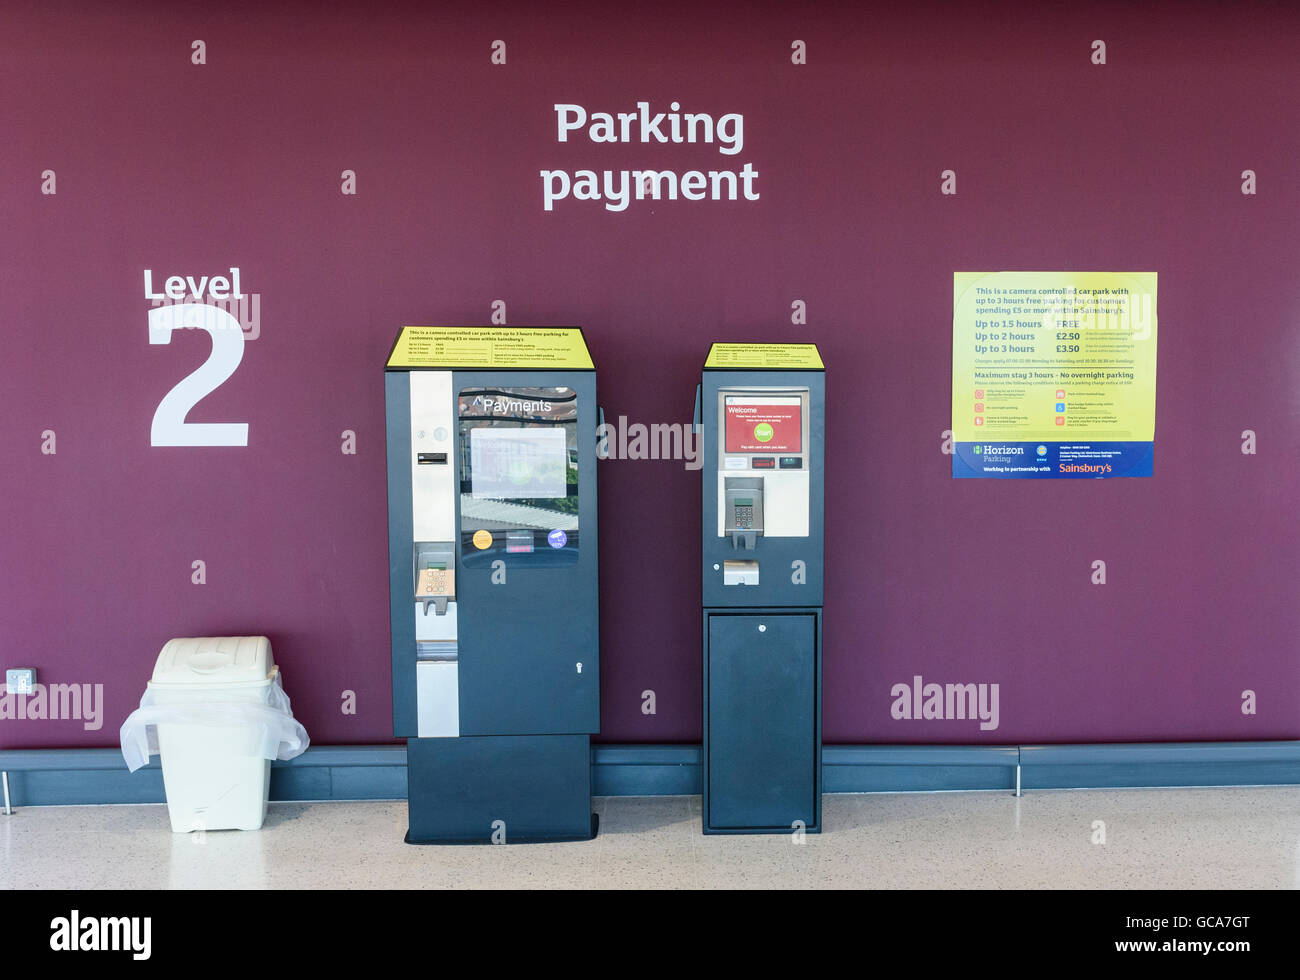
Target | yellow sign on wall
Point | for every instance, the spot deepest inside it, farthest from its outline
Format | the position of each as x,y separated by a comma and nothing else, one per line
544,348
1053,374
794,357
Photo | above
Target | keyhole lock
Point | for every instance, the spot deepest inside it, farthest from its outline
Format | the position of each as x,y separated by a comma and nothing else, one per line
762,628
579,668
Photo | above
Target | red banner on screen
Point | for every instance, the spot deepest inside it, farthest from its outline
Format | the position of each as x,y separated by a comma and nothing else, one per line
757,425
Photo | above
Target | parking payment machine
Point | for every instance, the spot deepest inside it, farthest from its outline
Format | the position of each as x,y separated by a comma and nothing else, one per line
760,411
491,437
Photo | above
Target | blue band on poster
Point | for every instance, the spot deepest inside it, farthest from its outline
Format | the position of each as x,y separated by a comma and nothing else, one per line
1074,460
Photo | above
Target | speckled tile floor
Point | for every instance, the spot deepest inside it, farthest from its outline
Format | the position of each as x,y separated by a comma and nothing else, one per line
1196,838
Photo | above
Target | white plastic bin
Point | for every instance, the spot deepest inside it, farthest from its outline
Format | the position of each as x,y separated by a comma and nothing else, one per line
220,715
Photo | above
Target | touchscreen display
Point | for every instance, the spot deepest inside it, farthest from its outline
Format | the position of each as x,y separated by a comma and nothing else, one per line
518,463
764,424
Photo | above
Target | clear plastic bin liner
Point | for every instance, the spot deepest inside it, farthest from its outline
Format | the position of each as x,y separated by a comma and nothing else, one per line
273,733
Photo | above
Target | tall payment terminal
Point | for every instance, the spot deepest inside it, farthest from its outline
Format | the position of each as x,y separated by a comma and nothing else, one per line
760,412
491,436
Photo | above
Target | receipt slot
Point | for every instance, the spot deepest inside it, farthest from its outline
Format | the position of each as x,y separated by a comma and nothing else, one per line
760,416
491,445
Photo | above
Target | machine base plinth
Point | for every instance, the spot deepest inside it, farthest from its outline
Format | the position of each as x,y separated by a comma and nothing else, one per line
759,830
499,789
595,830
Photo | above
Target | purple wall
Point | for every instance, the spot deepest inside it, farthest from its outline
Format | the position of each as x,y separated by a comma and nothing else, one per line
1061,164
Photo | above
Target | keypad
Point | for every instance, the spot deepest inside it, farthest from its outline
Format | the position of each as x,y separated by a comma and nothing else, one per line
744,517
436,581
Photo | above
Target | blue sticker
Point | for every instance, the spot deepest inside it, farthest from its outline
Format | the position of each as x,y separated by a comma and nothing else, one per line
557,538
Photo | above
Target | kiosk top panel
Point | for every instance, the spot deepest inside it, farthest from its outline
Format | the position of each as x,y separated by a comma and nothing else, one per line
764,357
492,347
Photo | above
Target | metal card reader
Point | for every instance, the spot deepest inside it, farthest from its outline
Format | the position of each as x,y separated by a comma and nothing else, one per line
744,510
435,575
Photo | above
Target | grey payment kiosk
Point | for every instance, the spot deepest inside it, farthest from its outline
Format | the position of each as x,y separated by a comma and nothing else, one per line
491,435
760,412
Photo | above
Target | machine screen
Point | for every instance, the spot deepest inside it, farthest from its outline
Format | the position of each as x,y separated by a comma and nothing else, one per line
521,463
518,474
764,424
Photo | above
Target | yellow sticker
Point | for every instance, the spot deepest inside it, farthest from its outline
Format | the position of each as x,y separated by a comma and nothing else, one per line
795,357
482,540
553,348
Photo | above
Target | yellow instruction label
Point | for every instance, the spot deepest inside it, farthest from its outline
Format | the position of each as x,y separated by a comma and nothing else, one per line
793,356
491,347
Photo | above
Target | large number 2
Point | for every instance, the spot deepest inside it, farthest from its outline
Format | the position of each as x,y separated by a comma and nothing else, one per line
169,425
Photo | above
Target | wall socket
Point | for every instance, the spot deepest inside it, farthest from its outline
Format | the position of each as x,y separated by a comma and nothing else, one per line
20,680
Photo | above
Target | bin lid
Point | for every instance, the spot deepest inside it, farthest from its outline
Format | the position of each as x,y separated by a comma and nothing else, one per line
214,660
